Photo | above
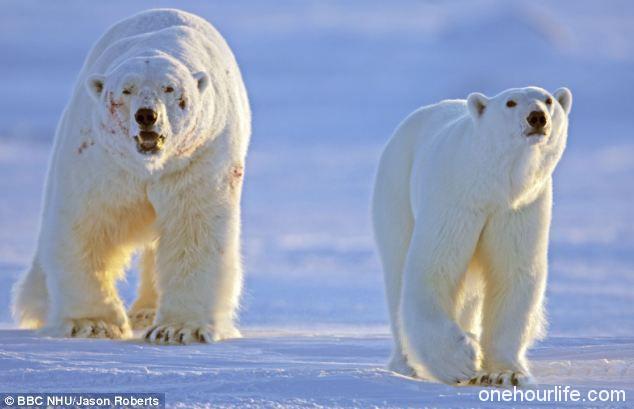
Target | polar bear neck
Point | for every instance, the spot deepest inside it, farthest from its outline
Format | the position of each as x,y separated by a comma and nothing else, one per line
526,173
516,174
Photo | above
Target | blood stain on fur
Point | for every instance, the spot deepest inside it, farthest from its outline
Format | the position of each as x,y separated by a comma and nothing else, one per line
84,145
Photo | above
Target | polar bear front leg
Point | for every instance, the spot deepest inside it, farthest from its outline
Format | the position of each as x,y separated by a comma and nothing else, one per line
515,247
82,266
199,273
443,243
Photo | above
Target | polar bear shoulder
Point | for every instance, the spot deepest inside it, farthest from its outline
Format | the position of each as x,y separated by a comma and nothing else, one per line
417,133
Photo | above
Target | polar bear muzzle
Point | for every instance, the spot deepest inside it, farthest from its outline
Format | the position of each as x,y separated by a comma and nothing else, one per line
538,122
147,141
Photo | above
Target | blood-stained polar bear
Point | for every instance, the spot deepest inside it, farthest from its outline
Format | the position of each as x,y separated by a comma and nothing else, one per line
461,210
149,154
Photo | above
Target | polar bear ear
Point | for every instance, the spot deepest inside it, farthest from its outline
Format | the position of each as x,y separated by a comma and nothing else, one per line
202,79
564,96
94,86
477,103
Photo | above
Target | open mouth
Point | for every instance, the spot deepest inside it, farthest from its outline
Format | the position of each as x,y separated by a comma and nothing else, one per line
149,142
540,132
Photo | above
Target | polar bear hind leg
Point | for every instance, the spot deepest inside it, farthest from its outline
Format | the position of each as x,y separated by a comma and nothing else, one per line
393,223
143,310
30,298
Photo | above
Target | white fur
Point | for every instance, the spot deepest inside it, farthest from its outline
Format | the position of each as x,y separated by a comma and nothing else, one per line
104,199
461,211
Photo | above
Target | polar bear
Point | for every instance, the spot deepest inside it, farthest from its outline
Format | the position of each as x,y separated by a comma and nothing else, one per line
149,155
461,213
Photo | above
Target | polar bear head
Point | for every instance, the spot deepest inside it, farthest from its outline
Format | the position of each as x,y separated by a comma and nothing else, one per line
524,132
151,108
522,116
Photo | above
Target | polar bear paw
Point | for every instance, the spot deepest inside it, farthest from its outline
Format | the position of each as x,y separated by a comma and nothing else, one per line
88,328
453,359
398,363
502,379
141,318
187,334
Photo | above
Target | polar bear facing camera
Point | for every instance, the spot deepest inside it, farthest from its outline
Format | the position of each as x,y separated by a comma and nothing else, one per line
149,154
461,212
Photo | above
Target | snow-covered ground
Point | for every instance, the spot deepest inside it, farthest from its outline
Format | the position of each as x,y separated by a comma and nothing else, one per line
320,367
328,82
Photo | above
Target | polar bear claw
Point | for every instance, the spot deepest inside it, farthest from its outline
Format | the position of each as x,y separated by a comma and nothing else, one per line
88,328
502,379
188,333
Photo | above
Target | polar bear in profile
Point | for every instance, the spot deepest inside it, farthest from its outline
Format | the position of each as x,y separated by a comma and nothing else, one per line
461,210
149,155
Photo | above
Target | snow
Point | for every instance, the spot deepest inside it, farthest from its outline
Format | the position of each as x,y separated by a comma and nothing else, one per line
328,83
322,367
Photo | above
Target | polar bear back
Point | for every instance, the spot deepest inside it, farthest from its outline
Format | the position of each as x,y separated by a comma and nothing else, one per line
418,139
188,46
151,21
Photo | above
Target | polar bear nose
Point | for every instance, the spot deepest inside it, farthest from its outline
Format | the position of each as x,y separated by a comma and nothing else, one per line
146,117
537,119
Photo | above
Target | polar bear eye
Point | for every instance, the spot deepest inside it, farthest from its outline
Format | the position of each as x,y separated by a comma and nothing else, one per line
126,91
510,103
168,89
549,101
